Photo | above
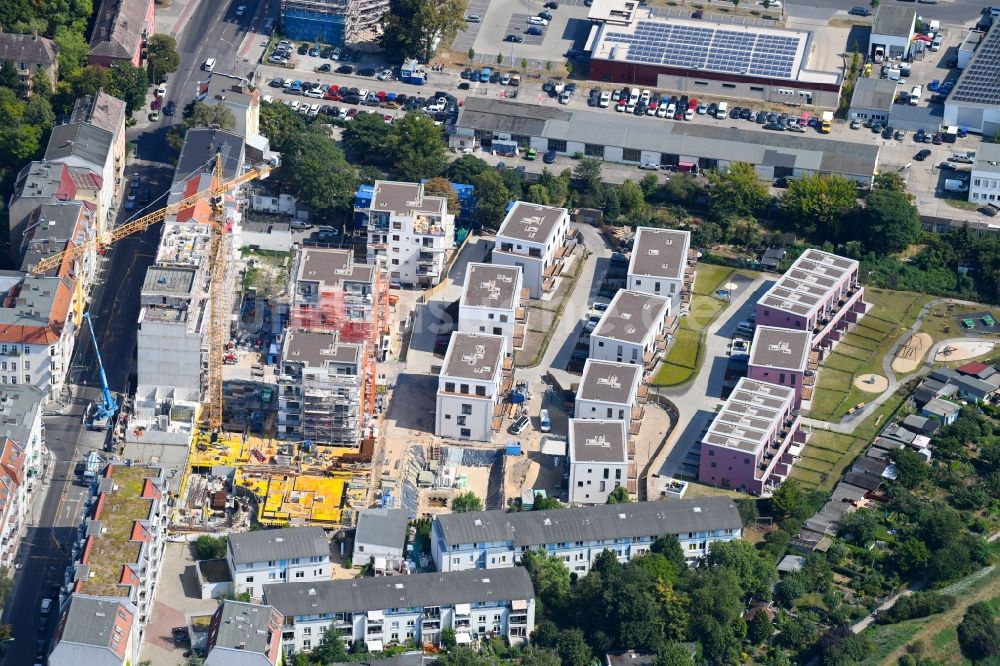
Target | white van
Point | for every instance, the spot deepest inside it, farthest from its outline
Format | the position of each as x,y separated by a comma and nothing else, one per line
723,111
209,65
936,44
915,95
544,423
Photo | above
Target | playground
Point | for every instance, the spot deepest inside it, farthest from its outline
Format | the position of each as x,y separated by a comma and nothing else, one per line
871,383
963,350
911,353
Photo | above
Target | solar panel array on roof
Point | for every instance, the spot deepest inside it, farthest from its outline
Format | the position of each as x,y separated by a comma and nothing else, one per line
720,50
980,82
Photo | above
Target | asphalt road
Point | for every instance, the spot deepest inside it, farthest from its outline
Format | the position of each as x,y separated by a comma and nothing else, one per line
46,551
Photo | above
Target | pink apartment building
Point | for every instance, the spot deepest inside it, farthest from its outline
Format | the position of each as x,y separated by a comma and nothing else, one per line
781,356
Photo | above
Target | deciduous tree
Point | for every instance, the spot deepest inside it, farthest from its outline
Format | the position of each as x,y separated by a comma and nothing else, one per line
619,496
318,173
893,222
756,574
818,204
411,27
163,57
279,123
736,192
492,197
365,139
466,501
465,168
979,632
418,148
129,83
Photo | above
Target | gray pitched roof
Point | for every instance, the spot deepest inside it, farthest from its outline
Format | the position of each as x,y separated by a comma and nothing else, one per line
894,20
198,153
382,527
280,544
606,521
87,630
430,589
81,140
100,109
118,28
240,626
27,48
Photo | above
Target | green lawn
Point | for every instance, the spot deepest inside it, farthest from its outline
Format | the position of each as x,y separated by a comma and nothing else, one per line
685,349
807,478
710,277
671,375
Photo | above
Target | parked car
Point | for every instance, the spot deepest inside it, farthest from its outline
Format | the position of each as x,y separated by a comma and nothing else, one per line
545,15
650,166
534,31
168,110
860,11
549,157
551,5
473,18
516,39
537,20
922,155
520,425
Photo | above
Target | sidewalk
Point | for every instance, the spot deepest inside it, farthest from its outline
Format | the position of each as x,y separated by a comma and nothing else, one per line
171,20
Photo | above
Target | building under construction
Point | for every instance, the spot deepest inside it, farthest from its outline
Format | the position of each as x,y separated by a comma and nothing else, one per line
337,334
334,22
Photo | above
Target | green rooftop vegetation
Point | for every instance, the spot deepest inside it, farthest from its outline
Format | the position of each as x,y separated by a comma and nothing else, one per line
113,548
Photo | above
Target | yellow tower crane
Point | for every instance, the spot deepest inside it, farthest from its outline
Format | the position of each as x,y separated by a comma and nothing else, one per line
218,330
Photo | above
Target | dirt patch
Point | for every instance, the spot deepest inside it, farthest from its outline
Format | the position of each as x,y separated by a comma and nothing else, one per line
871,383
963,350
911,353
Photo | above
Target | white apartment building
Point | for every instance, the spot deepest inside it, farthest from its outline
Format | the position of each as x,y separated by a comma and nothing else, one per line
984,181
471,385
37,331
292,554
536,238
22,462
413,232
491,303
660,265
608,390
319,388
598,459
497,539
631,329
121,549
390,610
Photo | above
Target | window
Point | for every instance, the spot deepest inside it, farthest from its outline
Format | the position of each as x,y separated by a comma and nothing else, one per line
481,391
465,432
593,150
463,388
631,155
756,89
449,387
557,145
497,330
249,579
503,319
461,420
701,83
466,409
300,574
395,262
731,86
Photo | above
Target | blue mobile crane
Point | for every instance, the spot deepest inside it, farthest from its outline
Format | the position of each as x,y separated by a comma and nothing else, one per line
101,414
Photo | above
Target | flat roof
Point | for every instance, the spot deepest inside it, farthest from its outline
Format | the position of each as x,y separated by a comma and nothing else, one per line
405,198
987,158
979,83
331,267
894,21
317,349
660,252
874,94
491,286
598,441
782,348
474,356
530,222
631,316
705,46
168,280
605,381
808,282
747,415
591,523
385,592
685,140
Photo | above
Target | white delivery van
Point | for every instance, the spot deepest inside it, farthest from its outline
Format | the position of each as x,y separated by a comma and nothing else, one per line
915,95
544,422
209,65
723,111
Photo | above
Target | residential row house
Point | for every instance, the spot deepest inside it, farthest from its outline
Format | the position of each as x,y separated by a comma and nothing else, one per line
598,459
476,374
384,611
244,634
663,264
120,32
289,555
537,239
819,293
30,54
23,459
493,302
577,535
753,440
632,330
118,559
409,230
784,356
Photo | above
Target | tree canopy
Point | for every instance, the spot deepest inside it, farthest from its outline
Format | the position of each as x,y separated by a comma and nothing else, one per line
162,55
492,199
411,27
818,204
317,172
466,501
736,192
417,147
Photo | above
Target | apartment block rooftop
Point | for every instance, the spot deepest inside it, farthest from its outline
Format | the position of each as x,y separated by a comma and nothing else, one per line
100,109
184,244
416,591
598,441
606,381
405,199
809,281
168,281
530,222
660,253
331,267
244,626
316,349
19,405
781,348
34,310
474,356
114,540
631,316
491,286
281,544
592,523
746,417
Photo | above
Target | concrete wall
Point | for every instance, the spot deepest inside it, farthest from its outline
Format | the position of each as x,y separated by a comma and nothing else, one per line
532,268
594,409
591,483
449,417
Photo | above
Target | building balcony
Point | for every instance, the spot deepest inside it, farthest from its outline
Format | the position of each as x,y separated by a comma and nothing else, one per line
428,229
521,315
